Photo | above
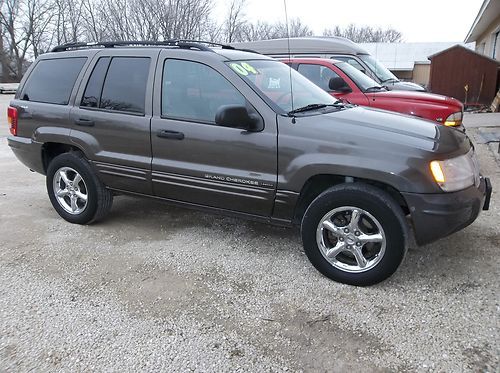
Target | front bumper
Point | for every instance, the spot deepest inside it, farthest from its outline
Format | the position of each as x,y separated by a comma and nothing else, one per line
436,216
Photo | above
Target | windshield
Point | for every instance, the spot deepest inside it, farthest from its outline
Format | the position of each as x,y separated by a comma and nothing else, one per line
272,79
378,69
362,81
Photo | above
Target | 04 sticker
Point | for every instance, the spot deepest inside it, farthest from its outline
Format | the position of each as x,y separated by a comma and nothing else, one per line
243,68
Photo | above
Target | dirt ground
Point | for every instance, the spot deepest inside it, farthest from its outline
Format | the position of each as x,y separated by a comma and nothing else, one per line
155,287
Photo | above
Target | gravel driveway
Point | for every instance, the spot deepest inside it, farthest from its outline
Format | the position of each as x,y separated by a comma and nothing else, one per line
155,287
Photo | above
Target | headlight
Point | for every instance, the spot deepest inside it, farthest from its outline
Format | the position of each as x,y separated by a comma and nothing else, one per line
456,173
454,120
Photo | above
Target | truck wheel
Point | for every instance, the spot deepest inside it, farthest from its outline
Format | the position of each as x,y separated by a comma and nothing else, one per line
75,191
355,234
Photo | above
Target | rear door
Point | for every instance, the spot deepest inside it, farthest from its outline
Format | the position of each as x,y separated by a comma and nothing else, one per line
196,161
111,118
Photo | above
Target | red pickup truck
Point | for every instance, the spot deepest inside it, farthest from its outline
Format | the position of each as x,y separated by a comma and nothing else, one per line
349,84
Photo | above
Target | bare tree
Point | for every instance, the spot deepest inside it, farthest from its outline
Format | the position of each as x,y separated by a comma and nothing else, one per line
31,27
18,35
118,23
38,20
4,57
235,21
258,31
195,14
144,18
365,34
94,27
265,31
68,24
213,31
177,19
392,36
297,29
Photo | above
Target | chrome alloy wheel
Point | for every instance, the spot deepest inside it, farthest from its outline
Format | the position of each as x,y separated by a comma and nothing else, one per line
70,190
351,239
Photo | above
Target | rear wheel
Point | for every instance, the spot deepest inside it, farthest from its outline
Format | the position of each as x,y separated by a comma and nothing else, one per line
75,191
354,234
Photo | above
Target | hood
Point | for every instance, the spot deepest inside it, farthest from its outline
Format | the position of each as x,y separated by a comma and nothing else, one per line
372,144
404,86
389,130
420,97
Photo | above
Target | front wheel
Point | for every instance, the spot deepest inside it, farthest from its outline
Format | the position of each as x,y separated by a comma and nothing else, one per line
354,234
75,191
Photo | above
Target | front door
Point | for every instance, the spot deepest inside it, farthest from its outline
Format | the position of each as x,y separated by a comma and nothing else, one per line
321,75
199,162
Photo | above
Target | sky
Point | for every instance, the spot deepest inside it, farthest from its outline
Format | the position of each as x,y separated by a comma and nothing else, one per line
418,20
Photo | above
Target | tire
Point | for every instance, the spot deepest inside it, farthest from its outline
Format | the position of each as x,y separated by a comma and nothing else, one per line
378,233
62,178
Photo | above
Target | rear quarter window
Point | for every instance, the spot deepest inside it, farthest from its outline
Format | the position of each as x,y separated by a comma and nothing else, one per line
52,80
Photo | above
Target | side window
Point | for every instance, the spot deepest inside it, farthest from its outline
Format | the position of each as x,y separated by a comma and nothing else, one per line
191,90
92,94
52,81
125,84
352,62
319,75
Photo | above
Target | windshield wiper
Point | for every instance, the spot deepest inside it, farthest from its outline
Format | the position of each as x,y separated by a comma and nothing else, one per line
307,108
389,80
314,107
374,88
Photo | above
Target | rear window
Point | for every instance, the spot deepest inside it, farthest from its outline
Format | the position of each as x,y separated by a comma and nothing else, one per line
52,81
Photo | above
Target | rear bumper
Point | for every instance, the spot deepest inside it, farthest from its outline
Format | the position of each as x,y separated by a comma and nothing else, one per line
436,216
28,152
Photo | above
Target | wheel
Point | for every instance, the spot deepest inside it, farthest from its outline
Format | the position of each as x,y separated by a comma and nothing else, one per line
355,234
75,191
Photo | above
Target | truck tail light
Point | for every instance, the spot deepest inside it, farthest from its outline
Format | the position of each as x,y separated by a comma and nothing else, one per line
12,119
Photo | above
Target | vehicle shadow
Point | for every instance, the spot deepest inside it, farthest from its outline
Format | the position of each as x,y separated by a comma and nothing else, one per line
455,259
159,218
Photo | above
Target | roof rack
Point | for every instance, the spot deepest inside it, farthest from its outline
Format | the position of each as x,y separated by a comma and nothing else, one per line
180,43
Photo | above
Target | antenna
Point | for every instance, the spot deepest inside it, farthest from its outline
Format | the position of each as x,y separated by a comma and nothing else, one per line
289,53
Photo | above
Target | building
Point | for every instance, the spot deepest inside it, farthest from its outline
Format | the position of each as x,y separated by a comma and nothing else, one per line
408,61
485,31
464,74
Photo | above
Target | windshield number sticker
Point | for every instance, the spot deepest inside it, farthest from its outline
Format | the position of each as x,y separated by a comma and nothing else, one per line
243,68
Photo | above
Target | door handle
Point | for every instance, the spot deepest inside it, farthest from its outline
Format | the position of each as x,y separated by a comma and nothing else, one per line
84,122
166,134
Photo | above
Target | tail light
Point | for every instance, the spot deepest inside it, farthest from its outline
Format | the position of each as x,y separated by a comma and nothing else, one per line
12,119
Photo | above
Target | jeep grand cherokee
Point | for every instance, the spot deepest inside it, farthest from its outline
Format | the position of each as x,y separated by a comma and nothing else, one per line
237,132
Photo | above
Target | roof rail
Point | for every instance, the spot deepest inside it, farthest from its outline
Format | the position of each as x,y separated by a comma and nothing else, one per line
181,43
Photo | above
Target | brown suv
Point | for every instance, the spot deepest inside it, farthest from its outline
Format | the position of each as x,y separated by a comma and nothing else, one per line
240,133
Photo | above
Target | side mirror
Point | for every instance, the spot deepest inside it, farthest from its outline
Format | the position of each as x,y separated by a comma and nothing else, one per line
339,85
237,116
